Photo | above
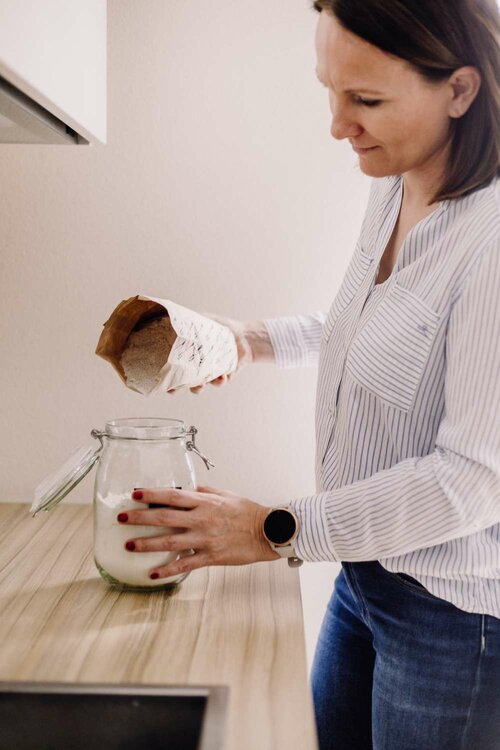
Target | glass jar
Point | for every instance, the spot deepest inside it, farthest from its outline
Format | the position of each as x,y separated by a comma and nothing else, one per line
133,453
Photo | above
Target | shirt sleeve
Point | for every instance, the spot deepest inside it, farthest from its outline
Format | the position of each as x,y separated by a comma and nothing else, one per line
450,493
296,339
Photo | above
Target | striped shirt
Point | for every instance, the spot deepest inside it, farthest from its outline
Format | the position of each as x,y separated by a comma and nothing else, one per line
408,401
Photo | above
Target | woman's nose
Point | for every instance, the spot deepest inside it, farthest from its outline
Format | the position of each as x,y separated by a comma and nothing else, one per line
344,127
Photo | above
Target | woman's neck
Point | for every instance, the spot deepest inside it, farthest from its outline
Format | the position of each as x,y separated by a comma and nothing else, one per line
422,183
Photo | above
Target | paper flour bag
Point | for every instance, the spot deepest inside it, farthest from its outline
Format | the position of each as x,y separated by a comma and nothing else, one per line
156,344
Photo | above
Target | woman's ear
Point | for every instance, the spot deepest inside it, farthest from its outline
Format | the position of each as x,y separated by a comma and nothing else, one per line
465,83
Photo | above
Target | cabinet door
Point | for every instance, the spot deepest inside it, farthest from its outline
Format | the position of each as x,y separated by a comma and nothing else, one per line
55,53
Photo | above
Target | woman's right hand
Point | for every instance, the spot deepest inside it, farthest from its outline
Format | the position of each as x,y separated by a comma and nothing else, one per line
253,344
243,348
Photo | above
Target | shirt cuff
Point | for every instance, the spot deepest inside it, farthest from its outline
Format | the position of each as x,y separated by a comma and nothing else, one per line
295,339
312,542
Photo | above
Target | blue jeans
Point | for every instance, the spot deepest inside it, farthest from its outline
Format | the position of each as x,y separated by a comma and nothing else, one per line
397,668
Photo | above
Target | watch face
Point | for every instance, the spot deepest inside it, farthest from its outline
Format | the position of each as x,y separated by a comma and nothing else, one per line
279,526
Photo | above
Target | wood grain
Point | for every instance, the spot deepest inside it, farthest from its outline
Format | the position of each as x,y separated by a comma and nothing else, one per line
237,626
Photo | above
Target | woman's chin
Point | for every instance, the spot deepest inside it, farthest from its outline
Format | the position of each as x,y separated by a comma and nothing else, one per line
372,169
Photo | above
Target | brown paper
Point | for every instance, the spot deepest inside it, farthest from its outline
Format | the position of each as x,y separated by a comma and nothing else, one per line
128,316
199,349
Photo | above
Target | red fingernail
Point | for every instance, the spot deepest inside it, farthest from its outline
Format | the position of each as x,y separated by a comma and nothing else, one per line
130,546
122,517
154,576
137,495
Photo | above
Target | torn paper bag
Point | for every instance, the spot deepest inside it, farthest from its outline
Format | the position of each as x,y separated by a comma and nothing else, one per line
156,344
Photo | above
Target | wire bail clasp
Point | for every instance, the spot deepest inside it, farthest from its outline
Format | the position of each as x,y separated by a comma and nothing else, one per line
98,435
190,445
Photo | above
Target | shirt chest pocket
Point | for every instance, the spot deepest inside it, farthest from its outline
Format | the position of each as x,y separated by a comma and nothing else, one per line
353,278
389,354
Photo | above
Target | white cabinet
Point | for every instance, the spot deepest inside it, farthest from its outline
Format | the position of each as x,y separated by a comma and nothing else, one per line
53,54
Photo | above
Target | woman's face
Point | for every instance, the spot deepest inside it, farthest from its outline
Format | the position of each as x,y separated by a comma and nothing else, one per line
380,103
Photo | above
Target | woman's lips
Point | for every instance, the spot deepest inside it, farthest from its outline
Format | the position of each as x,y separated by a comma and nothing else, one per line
359,150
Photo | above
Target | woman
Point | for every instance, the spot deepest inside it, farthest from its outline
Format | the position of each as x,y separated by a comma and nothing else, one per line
408,401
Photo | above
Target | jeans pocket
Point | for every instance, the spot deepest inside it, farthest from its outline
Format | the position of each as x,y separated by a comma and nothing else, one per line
411,584
411,581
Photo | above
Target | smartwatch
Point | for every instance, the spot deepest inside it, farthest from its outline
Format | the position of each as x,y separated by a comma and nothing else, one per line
281,527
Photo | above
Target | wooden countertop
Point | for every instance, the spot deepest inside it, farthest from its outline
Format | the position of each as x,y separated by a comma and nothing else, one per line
237,626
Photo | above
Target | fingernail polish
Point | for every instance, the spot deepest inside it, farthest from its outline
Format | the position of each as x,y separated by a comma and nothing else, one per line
137,495
122,517
154,576
130,546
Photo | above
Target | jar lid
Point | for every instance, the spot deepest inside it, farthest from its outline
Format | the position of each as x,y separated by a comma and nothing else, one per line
55,487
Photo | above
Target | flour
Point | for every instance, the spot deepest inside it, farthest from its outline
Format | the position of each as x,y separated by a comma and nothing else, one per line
131,568
146,353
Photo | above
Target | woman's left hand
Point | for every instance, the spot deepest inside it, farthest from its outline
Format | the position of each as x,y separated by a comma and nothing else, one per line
221,527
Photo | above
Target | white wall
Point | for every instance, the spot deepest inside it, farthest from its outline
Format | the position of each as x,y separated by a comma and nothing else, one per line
221,188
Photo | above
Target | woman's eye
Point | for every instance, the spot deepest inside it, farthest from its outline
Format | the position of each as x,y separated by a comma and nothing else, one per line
369,102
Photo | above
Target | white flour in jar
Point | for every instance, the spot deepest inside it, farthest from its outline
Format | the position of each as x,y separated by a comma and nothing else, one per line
146,353
132,568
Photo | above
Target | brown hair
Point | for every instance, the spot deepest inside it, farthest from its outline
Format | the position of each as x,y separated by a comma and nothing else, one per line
436,37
